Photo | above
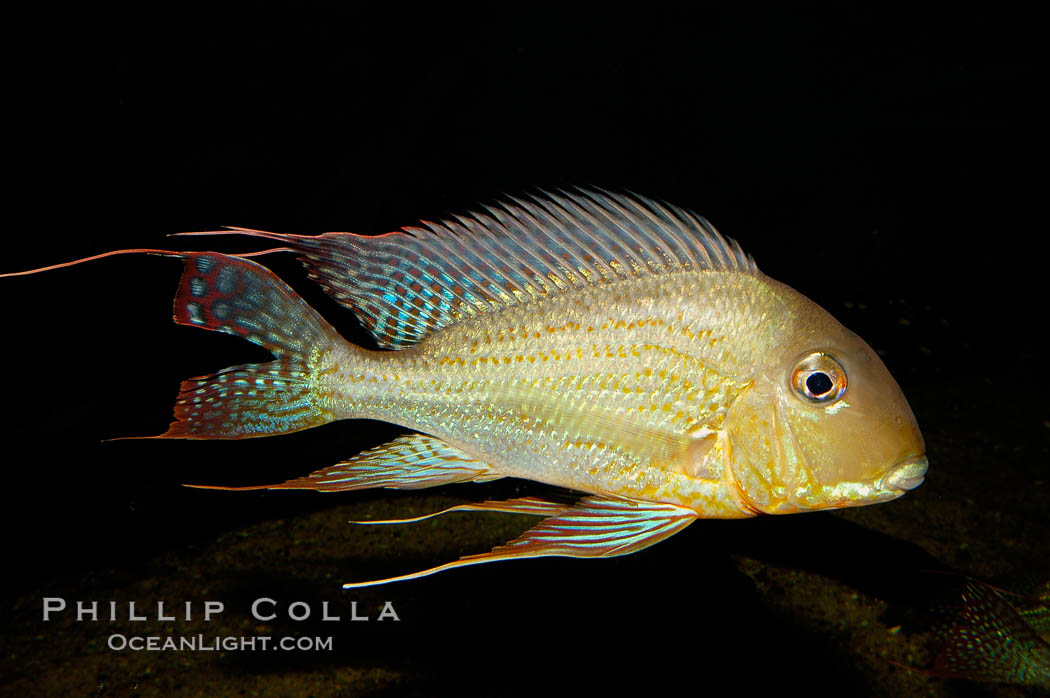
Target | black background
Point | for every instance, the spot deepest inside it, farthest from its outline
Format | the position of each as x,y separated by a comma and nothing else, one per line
860,156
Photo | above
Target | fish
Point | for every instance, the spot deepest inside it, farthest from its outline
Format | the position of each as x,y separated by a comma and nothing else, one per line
613,345
997,635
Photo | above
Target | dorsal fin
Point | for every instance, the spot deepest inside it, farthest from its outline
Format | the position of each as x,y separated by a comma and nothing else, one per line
406,284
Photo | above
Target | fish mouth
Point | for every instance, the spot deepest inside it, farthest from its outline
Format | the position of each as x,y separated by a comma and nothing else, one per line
906,475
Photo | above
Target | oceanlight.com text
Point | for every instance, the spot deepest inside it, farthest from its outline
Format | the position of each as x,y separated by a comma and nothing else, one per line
216,643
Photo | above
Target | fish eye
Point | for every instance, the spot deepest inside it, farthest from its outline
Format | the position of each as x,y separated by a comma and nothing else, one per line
819,383
819,378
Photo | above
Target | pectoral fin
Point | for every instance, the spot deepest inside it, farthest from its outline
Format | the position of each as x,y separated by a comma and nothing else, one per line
409,462
595,527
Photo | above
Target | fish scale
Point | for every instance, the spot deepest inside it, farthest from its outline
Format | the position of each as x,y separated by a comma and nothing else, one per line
640,360
611,344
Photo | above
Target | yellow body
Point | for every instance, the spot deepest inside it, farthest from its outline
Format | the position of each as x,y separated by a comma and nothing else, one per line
672,388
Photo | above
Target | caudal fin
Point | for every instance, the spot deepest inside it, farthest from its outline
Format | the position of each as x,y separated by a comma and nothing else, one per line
239,297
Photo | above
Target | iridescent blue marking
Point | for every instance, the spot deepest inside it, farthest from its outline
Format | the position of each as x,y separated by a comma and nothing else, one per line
227,280
196,313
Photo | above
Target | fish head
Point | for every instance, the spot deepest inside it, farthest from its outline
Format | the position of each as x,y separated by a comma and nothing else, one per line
823,424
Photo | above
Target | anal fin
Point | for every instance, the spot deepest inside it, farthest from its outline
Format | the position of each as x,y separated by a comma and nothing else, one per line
596,526
410,462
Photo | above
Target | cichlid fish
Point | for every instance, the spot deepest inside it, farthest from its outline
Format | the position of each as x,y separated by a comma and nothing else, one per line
609,344
998,635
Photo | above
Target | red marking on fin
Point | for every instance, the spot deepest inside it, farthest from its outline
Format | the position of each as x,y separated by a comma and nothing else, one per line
531,506
595,527
63,265
228,294
227,489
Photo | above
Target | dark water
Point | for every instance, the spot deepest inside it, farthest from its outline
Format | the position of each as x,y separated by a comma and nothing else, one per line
886,166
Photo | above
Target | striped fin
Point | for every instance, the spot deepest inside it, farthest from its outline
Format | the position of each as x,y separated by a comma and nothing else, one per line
239,297
404,285
409,462
532,506
596,526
